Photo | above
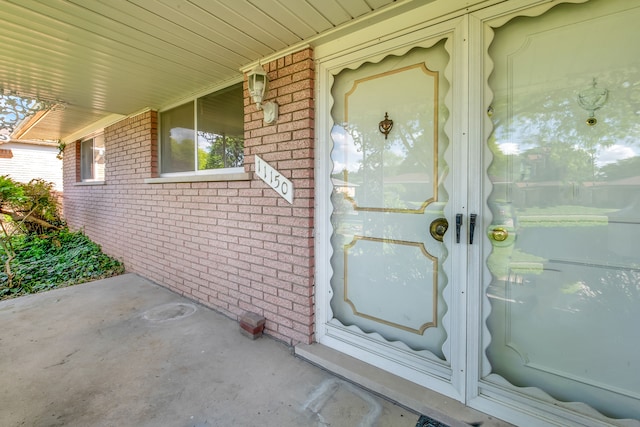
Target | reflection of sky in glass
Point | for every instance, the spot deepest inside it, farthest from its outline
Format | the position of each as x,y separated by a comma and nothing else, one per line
509,148
180,134
204,143
345,156
604,155
206,140
398,148
615,153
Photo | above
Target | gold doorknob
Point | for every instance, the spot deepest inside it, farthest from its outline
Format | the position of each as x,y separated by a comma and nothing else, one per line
499,234
438,227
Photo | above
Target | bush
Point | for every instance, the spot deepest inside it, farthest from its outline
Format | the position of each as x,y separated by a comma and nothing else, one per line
24,209
36,251
31,206
57,259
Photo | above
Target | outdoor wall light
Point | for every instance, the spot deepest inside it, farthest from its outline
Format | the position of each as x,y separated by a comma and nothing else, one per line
258,82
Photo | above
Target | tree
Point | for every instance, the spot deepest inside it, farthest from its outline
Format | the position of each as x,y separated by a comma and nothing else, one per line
25,208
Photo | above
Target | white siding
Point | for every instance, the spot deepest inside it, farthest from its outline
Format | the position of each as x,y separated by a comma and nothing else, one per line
31,161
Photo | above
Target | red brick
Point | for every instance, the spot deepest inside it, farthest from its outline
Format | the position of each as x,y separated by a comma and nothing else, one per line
233,246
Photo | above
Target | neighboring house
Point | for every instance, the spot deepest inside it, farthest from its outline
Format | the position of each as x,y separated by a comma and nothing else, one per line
27,160
444,160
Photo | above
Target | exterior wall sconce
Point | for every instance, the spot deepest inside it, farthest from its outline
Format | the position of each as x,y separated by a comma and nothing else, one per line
258,82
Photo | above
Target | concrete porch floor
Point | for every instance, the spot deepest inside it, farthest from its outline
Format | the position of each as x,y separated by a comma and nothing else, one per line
126,352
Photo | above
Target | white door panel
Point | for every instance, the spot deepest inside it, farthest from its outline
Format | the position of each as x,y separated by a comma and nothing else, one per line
564,165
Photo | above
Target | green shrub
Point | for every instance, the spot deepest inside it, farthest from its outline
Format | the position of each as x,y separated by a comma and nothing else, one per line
57,259
30,208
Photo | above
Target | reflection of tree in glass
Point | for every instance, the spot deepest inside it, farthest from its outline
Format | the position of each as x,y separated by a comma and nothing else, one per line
546,136
221,151
394,171
621,169
181,155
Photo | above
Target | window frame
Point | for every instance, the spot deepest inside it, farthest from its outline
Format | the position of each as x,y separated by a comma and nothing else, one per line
81,163
201,174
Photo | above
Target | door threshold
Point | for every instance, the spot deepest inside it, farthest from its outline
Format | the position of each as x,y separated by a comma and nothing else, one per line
403,392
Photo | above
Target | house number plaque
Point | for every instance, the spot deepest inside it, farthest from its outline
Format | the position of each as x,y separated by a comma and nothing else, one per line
274,179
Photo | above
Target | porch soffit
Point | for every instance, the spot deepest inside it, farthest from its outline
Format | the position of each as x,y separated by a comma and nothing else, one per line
105,60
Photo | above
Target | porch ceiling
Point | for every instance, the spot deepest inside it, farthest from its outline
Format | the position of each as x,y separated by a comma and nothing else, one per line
117,57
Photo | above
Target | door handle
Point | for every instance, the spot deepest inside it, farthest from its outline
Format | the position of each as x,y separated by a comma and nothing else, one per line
499,234
438,227
472,227
458,227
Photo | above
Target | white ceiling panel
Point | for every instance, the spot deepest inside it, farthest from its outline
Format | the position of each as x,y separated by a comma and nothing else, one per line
106,57
305,12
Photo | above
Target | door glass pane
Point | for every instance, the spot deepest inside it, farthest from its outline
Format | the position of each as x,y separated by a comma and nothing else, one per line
387,189
565,205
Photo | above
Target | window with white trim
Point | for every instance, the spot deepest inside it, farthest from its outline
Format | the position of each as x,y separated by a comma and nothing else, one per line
92,158
205,135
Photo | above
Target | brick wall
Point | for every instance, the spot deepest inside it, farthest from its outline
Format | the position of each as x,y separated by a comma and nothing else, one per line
235,246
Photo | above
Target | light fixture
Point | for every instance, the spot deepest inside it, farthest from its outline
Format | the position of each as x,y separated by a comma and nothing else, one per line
258,82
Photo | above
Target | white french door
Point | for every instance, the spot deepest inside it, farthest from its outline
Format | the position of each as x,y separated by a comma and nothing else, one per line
390,288
478,192
561,270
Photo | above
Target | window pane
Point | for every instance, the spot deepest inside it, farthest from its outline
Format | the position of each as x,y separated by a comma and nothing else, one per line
221,129
86,159
177,133
98,158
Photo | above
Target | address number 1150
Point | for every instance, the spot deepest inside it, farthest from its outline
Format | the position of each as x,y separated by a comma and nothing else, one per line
274,179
